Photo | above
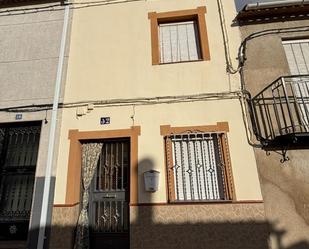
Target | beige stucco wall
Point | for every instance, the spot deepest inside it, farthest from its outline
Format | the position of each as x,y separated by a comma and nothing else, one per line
110,54
110,58
151,142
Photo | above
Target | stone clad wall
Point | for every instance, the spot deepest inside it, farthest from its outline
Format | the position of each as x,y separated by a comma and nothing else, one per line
215,226
63,227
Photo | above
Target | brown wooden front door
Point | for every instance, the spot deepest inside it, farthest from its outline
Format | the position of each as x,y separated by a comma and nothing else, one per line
109,198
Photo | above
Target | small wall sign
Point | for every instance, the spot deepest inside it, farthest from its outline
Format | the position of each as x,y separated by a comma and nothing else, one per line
18,116
105,120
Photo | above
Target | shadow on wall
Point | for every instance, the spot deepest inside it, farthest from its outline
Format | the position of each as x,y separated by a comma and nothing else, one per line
191,226
147,234
225,235
178,234
279,235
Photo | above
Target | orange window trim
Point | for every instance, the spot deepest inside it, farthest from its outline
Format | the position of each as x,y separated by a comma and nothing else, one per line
74,165
222,127
177,16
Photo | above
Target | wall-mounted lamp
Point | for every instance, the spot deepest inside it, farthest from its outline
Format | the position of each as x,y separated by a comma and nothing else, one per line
151,178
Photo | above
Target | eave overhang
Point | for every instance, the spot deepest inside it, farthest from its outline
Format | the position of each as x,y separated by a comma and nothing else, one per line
273,13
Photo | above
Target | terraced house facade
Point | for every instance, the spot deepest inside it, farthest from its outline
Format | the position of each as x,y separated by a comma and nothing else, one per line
148,97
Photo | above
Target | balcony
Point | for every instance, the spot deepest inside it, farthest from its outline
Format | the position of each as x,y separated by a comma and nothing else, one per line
280,114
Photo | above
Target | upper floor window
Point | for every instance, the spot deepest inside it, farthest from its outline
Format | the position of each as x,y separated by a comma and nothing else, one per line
179,36
179,42
297,53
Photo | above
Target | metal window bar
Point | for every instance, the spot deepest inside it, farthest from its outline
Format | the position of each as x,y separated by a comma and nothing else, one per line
282,108
198,167
108,208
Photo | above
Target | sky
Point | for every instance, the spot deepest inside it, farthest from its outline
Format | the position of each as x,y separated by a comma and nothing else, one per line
241,3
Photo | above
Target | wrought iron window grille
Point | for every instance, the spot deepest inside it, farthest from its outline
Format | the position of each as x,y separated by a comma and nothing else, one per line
19,145
109,197
197,167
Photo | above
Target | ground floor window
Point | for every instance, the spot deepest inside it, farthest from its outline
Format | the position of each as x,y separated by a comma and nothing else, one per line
19,144
198,163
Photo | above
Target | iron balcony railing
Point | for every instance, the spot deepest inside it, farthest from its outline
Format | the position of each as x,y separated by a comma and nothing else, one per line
281,109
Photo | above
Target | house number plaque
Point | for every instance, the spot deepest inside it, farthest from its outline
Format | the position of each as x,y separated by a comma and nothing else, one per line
105,120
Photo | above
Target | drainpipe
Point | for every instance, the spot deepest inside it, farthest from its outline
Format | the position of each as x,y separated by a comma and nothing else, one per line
52,131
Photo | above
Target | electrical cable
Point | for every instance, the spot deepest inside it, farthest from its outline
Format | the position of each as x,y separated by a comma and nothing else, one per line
242,59
12,11
231,70
242,49
126,102
165,99
229,65
57,7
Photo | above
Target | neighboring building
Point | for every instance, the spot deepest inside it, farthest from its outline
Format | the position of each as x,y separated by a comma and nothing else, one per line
147,89
275,72
30,38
